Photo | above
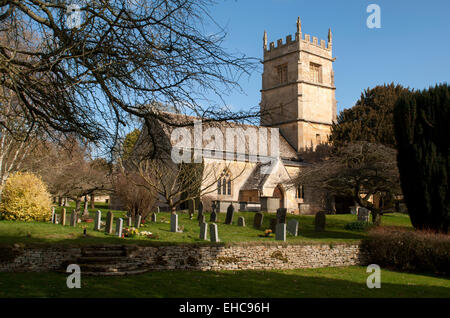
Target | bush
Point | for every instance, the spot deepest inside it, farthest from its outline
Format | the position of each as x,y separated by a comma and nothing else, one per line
357,226
25,198
413,251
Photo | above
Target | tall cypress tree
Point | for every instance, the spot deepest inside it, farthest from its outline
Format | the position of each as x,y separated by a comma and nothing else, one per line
422,131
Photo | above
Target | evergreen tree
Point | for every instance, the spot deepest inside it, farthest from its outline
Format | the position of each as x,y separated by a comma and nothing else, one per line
370,119
421,122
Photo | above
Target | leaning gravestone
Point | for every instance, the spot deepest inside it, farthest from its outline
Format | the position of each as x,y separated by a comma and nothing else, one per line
200,210
292,227
203,231
174,223
153,219
258,220
119,227
273,225
129,221
319,221
53,215
230,214
213,234
363,214
213,217
63,216
97,220
109,223
137,221
281,215
241,221
280,233
73,218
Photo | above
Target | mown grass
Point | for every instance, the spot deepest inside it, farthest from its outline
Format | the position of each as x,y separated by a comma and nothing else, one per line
45,232
318,282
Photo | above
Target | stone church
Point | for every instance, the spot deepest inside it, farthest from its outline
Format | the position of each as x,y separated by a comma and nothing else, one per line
298,98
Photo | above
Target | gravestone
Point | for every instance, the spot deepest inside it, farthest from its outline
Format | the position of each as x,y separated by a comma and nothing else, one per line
203,231
157,209
280,233
319,221
273,225
109,223
53,215
153,219
73,218
119,227
174,223
258,220
97,220
200,210
56,219
292,227
230,214
213,217
213,233
241,221
214,206
201,219
129,221
281,215
191,207
363,214
85,209
63,216
137,221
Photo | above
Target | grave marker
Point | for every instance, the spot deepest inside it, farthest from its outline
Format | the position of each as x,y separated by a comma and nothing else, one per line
137,221
230,214
203,231
119,227
63,216
258,220
319,221
109,223
97,220
281,215
213,233
292,227
213,217
241,221
280,233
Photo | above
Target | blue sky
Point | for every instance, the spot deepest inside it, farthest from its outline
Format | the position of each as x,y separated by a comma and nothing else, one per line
412,47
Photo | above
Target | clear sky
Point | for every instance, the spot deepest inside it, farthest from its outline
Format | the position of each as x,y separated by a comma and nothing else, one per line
411,48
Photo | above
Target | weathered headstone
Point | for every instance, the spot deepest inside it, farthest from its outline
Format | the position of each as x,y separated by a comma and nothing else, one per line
109,223
203,231
153,219
213,217
119,227
241,221
258,220
137,221
157,209
281,215
74,218
56,219
129,221
319,221
280,233
213,233
202,219
230,214
292,227
97,220
53,215
85,209
273,225
363,214
200,210
63,216
174,223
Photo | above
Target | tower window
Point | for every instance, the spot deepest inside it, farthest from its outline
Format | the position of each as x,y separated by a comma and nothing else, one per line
315,71
282,74
300,192
318,140
224,184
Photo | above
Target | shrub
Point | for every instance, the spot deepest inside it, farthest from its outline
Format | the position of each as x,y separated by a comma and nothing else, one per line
25,198
414,251
357,226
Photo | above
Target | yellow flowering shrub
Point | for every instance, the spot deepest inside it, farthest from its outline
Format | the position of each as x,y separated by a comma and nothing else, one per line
25,198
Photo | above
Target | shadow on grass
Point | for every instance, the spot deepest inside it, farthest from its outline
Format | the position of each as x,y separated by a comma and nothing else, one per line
261,284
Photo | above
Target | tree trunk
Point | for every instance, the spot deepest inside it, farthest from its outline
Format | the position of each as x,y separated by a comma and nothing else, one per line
92,201
77,204
376,217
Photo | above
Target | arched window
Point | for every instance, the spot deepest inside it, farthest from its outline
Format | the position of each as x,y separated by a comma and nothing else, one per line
300,192
219,186
224,183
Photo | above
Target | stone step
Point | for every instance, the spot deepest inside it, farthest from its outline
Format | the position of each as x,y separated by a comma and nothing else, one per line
119,273
104,247
109,267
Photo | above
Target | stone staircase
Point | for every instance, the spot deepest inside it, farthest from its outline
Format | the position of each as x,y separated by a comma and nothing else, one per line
109,260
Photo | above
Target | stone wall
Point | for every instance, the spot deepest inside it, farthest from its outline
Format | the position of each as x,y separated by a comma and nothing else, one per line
194,257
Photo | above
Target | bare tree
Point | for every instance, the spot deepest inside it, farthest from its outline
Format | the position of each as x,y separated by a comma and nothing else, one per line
359,170
87,78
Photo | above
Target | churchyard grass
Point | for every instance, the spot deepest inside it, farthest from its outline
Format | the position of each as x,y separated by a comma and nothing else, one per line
318,282
45,232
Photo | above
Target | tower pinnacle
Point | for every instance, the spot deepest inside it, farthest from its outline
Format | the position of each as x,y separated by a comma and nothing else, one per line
330,36
299,26
265,40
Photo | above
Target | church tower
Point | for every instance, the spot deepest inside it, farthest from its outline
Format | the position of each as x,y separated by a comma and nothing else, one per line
298,92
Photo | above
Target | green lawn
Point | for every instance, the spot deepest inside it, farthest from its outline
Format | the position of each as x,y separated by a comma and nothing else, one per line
319,282
41,232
